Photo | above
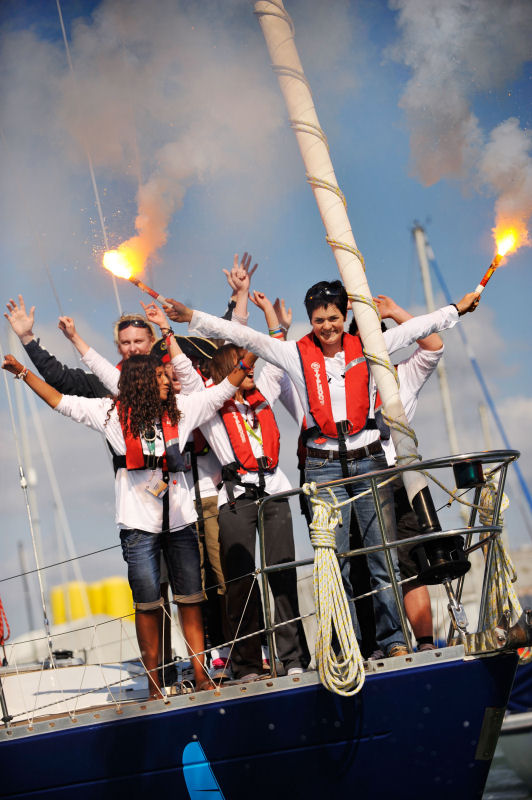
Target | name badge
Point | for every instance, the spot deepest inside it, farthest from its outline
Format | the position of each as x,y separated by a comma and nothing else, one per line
157,487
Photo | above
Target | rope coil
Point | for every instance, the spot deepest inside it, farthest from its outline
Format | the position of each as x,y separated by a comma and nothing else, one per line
502,598
342,674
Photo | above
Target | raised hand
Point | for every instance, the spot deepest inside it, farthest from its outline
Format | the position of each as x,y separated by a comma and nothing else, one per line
12,365
178,312
20,320
469,302
284,314
155,314
239,277
388,308
67,327
261,301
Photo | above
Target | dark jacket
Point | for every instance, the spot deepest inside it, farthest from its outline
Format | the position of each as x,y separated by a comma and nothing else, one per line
66,380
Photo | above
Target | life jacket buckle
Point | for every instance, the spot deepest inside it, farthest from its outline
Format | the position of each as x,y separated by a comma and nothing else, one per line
264,463
345,427
150,461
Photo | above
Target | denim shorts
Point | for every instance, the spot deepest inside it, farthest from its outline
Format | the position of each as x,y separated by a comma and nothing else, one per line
142,553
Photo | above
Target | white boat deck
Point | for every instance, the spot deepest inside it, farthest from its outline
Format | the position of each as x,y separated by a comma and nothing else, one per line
67,690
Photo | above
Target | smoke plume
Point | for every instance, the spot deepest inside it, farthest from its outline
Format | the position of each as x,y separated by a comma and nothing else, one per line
456,51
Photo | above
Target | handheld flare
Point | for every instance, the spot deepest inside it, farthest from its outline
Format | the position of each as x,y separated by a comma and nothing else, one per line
489,272
143,288
507,240
117,263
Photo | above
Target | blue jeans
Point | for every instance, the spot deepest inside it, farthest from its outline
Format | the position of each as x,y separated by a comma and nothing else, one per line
142,552
387,620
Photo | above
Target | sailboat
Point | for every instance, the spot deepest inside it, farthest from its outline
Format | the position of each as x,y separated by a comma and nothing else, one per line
438,713
89,729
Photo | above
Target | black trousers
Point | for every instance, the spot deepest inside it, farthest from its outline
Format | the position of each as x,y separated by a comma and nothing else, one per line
238,533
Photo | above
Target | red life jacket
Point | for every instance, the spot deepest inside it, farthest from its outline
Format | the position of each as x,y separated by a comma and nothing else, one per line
357,396
172,461
199,445
238,435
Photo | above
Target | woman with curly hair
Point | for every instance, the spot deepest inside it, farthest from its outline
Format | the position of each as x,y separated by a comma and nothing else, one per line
148,426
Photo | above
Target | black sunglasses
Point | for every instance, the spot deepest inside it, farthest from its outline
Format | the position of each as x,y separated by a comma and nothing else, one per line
325,292
135,323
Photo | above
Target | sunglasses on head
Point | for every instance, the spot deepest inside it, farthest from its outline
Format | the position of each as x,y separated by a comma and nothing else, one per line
325,292
135,323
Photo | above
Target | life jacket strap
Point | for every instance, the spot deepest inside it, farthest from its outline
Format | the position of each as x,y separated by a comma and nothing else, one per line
230,479
150,462
342,429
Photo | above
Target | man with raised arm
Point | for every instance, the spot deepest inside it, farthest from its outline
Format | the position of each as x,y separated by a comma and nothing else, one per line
133,335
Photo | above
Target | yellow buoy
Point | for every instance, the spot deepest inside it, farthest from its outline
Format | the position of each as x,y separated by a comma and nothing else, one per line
58,605
118,600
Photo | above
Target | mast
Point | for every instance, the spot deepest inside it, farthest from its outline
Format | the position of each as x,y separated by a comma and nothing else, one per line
485,391
278,31
421,247
26,589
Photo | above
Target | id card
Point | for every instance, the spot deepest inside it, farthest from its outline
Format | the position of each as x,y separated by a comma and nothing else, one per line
157,487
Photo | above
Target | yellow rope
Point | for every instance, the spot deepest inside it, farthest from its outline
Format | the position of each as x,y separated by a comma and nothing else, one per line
289,72
300,126
502,596
453,492
323,184
283,14
369,301
355,252
344,673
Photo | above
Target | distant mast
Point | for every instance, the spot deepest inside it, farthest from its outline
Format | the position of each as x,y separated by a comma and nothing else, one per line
278,31
421,247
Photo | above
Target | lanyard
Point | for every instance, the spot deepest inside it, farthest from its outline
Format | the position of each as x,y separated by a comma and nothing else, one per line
252,432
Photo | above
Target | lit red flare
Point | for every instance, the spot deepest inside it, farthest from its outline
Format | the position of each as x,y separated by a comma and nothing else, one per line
508,238
120,265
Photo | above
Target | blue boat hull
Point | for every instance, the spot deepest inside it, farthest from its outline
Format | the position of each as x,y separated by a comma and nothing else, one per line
408,728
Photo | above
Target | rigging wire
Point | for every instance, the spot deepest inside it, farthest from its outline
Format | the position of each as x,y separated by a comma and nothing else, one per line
105,549
24,487
88,155
483,385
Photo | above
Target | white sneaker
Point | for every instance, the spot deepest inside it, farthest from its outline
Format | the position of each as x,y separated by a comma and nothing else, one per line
295,671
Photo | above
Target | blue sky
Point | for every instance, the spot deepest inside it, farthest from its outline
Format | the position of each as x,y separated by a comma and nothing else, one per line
184,92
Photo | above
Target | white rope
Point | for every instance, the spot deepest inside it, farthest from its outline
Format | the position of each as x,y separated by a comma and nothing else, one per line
343,673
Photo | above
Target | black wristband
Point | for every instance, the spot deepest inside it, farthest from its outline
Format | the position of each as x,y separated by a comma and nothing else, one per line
167,332
457,309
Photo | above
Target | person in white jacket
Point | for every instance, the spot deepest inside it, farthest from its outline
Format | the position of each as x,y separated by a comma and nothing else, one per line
148,426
